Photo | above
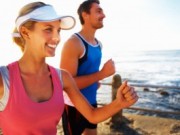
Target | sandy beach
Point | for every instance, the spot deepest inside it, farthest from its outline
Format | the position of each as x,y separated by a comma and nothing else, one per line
138,125
133,124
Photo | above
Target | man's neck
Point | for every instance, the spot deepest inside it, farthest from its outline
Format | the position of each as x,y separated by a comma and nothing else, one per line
88,35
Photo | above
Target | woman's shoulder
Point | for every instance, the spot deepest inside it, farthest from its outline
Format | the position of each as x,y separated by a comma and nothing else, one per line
65,72
66,76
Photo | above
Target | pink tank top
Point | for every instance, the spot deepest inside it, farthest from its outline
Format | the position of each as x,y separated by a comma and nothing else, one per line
22,116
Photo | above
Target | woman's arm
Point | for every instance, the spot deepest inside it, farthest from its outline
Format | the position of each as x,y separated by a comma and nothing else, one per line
126,96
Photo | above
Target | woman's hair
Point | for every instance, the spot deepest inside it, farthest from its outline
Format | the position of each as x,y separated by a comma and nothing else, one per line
85,7
29,24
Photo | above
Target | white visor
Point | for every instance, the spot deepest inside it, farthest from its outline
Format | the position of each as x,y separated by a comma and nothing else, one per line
46,14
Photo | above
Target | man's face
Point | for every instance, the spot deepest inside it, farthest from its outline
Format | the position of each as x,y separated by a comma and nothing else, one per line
96,16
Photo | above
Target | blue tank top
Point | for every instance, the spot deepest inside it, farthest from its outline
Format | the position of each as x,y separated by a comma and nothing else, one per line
89,64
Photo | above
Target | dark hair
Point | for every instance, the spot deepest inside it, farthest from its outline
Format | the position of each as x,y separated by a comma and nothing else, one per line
85,7
29,24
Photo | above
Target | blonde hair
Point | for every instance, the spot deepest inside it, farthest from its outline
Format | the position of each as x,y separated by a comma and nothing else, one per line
29,24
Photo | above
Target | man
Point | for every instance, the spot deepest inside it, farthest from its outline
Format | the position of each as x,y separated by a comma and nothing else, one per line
81,56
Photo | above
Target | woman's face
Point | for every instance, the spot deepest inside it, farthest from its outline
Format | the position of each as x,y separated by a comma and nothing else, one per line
44,38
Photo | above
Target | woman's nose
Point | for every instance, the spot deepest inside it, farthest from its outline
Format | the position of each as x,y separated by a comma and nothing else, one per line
55,40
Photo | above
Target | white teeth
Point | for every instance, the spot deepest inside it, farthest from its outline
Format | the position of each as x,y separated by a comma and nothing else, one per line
52,46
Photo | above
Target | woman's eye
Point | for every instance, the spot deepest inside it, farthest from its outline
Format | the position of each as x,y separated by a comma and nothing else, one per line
48,30
59,31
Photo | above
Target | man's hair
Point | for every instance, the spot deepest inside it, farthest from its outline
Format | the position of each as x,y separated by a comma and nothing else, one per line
85,7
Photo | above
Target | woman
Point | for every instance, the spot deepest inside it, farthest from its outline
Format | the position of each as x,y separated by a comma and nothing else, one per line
31,99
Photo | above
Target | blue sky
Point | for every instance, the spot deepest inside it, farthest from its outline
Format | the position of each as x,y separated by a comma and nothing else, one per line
129,25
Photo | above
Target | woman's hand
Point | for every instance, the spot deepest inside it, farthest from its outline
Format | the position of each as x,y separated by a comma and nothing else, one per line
126,95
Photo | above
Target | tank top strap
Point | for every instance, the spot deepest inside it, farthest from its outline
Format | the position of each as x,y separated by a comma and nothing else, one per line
81,60
56,76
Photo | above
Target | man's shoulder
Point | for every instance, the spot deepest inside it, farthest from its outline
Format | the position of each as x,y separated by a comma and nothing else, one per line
73,40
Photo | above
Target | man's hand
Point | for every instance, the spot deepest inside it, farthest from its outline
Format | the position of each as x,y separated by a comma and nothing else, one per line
108,68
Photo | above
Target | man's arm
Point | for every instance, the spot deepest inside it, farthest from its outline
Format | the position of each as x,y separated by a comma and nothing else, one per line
71,52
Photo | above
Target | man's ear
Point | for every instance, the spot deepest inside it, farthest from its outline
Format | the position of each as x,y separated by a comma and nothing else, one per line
24,32
84,15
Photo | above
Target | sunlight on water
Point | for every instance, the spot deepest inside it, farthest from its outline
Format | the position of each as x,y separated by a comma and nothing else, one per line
153,68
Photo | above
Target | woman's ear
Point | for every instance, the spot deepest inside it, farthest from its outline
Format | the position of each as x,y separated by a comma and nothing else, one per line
24,32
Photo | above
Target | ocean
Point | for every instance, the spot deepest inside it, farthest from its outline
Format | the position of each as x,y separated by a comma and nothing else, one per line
160,68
